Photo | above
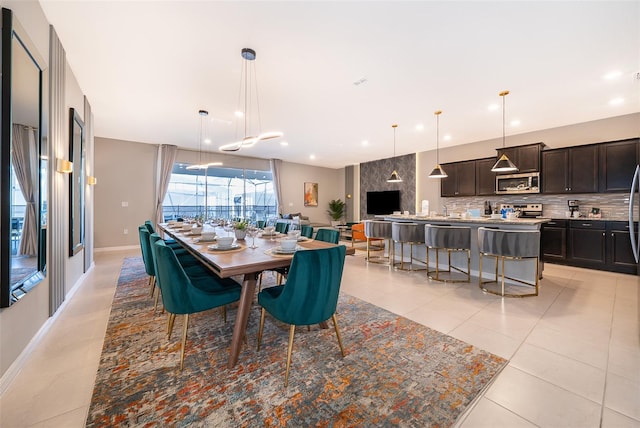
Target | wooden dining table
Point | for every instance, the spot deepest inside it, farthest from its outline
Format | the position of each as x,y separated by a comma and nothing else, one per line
242,260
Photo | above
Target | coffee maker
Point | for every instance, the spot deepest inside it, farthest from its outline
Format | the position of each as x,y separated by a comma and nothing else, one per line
574,206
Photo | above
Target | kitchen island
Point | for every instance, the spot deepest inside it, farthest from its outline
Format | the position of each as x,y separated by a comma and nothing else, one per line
521,270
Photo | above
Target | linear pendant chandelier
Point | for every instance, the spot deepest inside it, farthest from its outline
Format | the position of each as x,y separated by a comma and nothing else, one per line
395,177
504,164
247,79
438,172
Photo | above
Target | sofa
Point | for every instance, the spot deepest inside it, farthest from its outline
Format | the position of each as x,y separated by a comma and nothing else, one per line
294,218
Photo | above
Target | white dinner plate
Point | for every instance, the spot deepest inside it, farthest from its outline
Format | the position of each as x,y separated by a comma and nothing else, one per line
232,247
279,250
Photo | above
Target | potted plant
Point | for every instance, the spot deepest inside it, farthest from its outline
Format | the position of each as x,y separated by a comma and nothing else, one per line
336,211
240,228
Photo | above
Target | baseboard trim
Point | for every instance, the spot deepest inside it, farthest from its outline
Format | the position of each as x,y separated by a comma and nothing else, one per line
122,248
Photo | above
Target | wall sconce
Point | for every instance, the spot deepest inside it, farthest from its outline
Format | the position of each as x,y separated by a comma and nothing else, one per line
91,180
64,166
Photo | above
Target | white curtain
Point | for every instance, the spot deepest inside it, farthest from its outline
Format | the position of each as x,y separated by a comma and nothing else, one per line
24,158
166,157
276,167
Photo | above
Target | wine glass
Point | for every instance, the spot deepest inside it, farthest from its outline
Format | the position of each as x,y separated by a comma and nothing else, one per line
228,227
252,231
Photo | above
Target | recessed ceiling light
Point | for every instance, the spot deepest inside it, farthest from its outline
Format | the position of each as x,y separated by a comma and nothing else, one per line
312,157
365,142
420,127
616,101
612,75
493,107
515,122
239,114
284,143
447,137
207,140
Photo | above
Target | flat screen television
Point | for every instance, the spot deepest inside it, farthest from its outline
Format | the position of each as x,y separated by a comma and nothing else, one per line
383,202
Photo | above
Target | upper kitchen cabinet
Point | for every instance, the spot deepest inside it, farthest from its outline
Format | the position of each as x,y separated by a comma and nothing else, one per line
526,158
485,178
570,170
461,180
618,160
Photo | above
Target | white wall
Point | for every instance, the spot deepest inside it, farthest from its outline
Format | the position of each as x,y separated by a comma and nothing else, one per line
330,186
597,131
126,173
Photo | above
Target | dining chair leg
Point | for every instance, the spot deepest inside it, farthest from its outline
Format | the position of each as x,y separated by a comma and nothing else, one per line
155,305
260,328
292,331
335,325
172,318
184,339
224,313
152,285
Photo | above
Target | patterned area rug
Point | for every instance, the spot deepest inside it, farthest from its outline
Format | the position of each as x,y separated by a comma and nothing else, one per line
396,371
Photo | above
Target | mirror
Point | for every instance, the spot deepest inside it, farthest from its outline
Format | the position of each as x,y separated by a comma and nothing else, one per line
76,183
22,260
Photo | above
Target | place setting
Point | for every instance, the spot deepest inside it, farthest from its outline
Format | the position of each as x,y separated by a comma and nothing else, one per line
287,247
225,244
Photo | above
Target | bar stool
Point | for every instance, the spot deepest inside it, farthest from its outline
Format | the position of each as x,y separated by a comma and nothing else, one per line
509,245
451,239
406,233
378,230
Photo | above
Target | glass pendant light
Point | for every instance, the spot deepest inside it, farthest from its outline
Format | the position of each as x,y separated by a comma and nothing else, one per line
395,177
438,172
504,164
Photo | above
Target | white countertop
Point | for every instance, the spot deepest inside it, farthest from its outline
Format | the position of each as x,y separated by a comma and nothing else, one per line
477,220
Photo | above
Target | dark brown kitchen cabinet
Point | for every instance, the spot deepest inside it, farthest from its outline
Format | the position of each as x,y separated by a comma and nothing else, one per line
461,180
587,243
553,241
618,160
619,253
570,170
594,244
526,158
485,178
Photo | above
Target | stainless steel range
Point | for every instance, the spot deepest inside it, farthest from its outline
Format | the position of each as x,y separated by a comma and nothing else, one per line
525,210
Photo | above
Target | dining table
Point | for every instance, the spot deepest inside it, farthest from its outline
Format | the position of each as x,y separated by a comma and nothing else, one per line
240,259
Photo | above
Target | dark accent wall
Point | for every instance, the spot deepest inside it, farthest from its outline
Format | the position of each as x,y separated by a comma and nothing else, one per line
373,178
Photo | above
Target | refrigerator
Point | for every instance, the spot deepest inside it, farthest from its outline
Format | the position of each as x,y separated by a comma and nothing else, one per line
634,232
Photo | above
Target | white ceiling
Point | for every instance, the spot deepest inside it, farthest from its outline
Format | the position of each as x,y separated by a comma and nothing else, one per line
148,67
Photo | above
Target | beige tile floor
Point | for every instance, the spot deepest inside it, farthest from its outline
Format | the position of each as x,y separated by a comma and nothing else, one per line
574,350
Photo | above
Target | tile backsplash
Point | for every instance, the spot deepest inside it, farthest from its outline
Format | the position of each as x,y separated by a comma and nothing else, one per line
613,206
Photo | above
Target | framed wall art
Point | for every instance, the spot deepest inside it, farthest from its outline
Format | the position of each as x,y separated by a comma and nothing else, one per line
310,194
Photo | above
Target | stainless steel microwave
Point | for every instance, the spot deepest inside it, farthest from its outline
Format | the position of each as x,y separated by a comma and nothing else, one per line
514,184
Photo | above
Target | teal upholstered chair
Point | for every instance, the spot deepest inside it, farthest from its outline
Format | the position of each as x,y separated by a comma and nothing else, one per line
186,295
190,264
282,227
306,231
260,224
328,235
145,247
309,296
170,242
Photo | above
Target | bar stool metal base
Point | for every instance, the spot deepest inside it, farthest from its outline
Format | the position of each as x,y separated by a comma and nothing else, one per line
449,277
402,265
380,259
501,283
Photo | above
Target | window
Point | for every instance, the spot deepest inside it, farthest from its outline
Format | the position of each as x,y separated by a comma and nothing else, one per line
225,192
